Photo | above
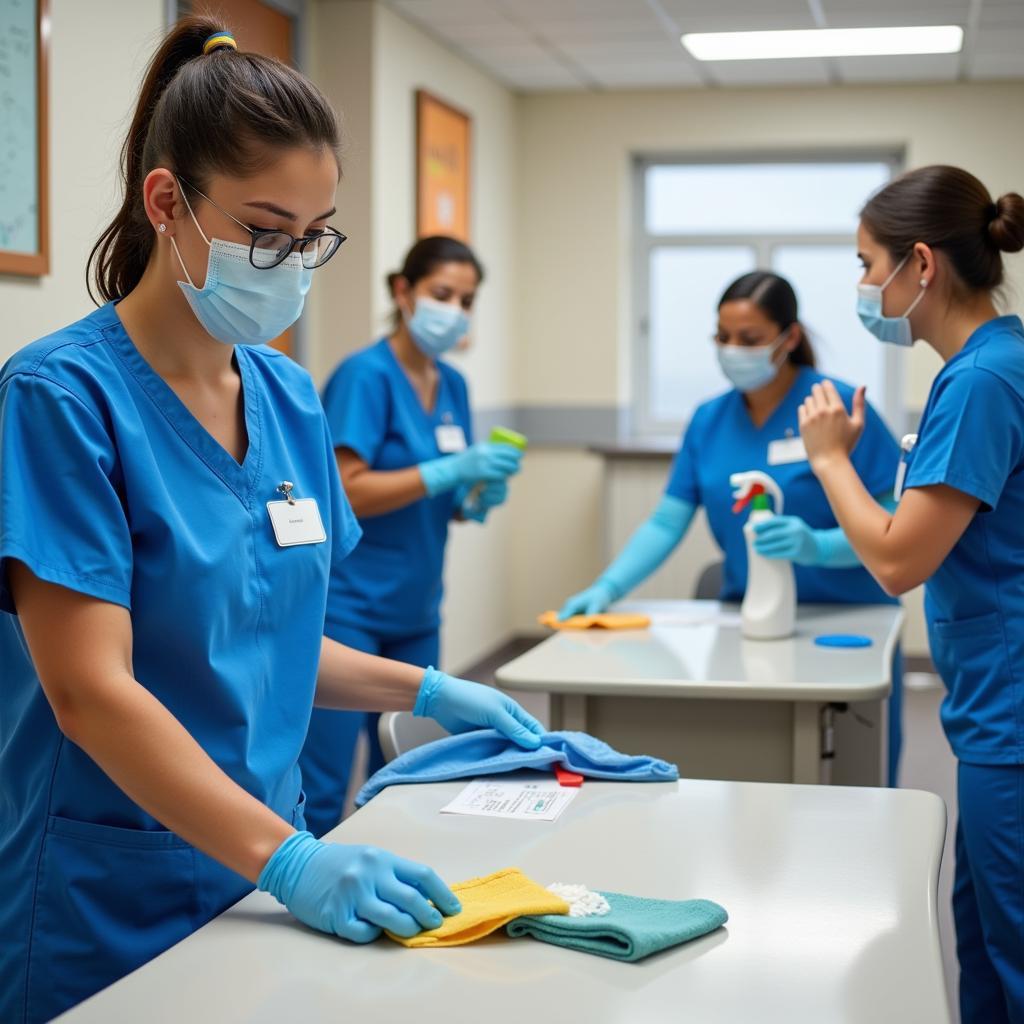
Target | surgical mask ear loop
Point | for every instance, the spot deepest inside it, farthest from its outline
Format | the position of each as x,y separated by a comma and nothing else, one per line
174,244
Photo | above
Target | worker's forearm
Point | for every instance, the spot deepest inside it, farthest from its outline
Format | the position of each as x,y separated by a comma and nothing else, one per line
373,492
150,755
864,522
349,679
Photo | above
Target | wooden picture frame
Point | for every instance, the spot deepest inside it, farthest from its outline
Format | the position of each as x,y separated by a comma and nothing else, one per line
34,260
443,138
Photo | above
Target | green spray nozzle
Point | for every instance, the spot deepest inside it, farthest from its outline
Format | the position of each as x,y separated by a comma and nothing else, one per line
504,435
760,503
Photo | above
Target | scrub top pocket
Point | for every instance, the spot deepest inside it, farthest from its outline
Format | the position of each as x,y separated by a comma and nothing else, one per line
107,900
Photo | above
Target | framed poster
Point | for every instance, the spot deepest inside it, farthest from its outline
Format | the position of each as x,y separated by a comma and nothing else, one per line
442,168
24,170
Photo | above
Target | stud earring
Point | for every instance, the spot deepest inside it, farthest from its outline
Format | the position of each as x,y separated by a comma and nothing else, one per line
163,228
924,282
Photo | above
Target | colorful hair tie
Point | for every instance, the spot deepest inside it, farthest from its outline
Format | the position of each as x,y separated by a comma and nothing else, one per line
219,40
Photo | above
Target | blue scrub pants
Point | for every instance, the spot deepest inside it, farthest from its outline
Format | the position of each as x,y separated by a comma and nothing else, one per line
326,759
988,893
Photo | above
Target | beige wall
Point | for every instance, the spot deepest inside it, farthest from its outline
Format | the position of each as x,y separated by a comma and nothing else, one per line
574,162
98,51
371,62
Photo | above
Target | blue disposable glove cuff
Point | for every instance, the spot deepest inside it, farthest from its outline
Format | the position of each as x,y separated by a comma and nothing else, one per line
286,864
439,475
432,680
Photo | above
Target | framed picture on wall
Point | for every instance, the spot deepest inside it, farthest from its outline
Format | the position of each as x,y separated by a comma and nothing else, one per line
442,168
24,170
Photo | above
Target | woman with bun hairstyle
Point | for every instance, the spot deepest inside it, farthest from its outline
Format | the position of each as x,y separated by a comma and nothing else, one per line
932,245
170,517
402,433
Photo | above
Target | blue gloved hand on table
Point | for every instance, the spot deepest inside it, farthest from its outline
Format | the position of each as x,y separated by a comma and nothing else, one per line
460,706
355,891
592,601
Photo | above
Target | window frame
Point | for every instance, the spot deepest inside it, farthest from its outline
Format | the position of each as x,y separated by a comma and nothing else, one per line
644,424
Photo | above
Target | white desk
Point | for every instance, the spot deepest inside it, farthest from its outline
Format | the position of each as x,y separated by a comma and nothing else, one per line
691,689
830,892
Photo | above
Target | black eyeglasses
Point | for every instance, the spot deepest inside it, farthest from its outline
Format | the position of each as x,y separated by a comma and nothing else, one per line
270,247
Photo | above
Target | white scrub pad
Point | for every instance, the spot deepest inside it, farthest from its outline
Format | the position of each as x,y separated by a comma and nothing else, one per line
582,902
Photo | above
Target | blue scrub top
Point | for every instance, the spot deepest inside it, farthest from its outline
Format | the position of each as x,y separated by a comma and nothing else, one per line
721,439
392,585
972,438
110,487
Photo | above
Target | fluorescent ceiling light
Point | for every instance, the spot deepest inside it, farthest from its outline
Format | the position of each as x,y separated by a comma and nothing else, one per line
824,42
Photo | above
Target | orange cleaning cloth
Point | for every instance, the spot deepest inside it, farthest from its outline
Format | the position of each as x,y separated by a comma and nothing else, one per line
605,620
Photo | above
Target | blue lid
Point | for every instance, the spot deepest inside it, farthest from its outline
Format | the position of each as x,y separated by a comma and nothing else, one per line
843,640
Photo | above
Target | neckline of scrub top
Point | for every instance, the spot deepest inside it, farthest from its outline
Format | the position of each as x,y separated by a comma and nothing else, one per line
430,414
779,410
240,477
1009,322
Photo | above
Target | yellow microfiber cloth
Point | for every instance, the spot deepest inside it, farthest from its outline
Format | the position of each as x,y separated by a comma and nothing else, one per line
488,904
604,620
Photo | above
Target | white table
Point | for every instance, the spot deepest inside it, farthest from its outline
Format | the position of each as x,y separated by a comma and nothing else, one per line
691,689
830,892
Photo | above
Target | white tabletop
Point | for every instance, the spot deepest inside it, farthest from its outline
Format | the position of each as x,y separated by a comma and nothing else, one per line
830,892
695,649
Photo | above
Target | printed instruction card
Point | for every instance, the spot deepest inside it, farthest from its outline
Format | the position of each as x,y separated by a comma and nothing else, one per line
526,801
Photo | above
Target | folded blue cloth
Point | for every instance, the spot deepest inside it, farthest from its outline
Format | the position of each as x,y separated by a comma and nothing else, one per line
487,752
633,928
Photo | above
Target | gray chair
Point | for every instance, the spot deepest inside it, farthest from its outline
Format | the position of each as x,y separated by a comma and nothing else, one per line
709,585
400,731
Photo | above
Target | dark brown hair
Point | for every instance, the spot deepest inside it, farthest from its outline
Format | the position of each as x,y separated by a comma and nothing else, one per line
774,296
199,114
426,256
950,210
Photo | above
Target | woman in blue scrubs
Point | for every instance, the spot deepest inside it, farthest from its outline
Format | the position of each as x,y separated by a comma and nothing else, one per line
401,428
170,515
931,243
764,352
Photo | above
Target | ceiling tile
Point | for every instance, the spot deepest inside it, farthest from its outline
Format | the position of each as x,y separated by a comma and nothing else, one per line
768,72
936,67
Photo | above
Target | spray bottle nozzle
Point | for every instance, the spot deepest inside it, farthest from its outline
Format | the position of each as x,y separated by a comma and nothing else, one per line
744,500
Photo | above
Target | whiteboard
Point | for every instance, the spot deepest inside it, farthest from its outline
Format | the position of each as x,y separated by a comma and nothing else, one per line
19,127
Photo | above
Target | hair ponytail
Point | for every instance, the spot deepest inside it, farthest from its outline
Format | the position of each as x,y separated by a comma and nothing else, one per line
202,109
950,210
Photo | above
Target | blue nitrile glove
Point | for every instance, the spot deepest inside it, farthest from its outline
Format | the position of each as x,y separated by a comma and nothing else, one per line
476,506
461,706
651,543
789,537
355,891
485,461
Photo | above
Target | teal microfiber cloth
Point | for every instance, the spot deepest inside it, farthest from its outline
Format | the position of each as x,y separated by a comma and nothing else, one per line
634,927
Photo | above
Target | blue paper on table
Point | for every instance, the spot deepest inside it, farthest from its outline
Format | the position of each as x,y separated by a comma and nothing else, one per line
488,752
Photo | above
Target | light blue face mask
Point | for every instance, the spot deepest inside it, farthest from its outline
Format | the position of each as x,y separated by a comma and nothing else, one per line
239,304
748,367
893,330
436,327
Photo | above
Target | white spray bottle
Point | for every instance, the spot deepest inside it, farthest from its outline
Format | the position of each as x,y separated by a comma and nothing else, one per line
769,605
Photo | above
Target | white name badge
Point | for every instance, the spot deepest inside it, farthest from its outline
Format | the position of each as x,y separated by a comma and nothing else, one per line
450,438
296,522
786,451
